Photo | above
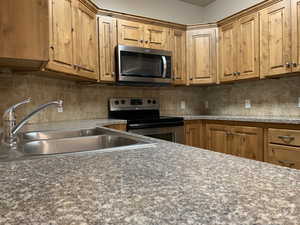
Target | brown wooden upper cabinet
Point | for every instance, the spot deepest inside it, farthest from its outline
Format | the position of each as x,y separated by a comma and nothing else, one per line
202,60
239,49
280,38
107,27
296,35
143,35
240,141
53,35
178,47
85,51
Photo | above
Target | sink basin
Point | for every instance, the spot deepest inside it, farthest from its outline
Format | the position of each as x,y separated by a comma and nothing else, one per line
46,135
70,141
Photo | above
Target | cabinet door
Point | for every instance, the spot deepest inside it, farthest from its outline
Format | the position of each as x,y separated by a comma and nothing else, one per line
248,47
179,56
86,46
275,41
130,33
157,37
61,36
217,137
246,142
202,52
296,35
228,51
107,44
287,156
193,134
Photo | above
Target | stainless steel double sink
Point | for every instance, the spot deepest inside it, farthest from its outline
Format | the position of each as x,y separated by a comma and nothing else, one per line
70,141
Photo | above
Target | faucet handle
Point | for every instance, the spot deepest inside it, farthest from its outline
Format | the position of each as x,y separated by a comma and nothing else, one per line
9,113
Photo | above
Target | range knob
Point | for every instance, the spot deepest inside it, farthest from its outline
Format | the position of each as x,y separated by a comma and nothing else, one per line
123,102
154,102
149,101
117,102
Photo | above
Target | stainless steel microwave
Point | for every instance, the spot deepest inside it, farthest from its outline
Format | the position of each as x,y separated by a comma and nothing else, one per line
143,65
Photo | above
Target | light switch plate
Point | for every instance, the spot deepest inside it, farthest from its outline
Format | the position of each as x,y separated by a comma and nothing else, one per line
182,105
247,104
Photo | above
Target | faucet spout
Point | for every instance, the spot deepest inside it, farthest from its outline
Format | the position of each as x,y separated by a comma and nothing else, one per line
58,103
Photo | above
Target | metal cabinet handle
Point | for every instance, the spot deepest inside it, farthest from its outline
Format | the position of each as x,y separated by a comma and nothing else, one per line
295,64
191,78
286,139
286,163
288,65
238,73
146,42
142,41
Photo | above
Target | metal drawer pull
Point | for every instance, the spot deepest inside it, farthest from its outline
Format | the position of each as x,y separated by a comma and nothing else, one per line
286,163
286,139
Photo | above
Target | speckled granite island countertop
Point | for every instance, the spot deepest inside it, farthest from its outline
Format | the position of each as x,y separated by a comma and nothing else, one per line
166,184
257,119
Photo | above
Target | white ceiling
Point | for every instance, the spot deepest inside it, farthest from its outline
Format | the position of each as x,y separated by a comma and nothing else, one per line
199,2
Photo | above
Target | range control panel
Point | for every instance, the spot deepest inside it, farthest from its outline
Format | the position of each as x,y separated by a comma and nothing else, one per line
133,104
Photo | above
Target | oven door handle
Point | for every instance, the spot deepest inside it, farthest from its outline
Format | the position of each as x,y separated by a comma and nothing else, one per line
154,125
164,60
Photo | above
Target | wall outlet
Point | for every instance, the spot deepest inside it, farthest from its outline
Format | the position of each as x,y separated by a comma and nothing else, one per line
247,104
182,105
206,105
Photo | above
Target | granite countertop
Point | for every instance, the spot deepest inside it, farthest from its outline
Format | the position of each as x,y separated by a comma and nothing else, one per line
258,119
166,184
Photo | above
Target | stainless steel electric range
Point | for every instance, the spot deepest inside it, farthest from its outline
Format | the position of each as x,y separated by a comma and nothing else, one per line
143,117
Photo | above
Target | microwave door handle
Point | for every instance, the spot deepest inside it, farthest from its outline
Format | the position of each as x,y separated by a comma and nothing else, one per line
164,60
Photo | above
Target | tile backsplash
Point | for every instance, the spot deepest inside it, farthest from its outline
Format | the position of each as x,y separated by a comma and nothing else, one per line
271,97
87,102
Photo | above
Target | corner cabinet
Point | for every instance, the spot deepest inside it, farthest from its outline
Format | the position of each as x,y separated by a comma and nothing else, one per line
143,35
61,33
240,141
178,47
239,49
107,30
202,60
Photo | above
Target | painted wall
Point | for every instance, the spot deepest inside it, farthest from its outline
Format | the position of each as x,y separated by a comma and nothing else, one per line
168,10
221,9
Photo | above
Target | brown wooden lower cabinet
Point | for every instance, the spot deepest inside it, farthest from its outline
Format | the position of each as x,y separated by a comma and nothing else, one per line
240,141
287,156
217,138
193,133
274,143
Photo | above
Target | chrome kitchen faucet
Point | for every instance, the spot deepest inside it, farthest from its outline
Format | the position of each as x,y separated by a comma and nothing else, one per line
10,128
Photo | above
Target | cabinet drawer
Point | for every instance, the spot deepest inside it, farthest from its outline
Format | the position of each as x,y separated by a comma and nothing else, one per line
284,137
284,156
